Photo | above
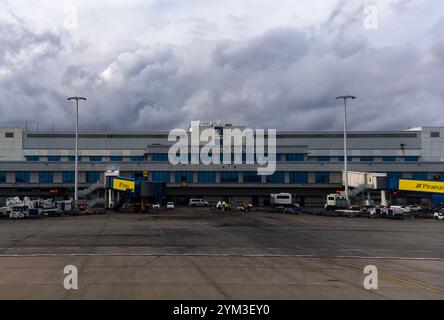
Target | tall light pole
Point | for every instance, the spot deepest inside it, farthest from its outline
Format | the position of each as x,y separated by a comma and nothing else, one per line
345,144
76,161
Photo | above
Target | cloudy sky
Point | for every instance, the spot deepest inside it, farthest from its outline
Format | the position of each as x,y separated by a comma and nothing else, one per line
158,64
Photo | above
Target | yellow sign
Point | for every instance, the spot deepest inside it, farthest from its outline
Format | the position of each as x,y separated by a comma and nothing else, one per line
421,185
123,185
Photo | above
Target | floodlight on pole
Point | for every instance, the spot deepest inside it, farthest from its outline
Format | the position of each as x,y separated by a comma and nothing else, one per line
345,98
76,170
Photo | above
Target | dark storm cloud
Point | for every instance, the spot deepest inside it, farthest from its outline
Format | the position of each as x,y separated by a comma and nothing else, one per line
438,33
28,85
18,41
276,49
284,78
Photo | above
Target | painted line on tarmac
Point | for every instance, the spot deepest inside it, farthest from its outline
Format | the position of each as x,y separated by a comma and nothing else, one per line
387,257
400,280
156,255
410,283
219,255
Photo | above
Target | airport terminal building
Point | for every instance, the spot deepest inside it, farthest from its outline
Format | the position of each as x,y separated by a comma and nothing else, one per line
309,164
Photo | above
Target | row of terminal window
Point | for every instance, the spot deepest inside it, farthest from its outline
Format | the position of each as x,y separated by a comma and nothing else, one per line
432,135
299,177
290,157
180,177
89,158
48,176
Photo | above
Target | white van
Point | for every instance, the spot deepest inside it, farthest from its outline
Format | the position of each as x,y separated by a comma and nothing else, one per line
280,199
197,203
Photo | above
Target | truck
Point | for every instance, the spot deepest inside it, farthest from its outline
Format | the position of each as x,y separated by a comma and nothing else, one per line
281,199
335,201
14,208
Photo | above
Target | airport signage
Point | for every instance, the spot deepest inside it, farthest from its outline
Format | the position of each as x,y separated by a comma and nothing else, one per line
123,185
421,186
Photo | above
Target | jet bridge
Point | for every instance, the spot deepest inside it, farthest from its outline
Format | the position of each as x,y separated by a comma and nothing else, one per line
365,182
138,192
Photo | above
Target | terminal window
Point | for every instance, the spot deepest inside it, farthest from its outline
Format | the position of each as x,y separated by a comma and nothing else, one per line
434,134
68,176
2,176
136,158
53,158
161,157
295,157
46,177
323,158
299,177
92,176
116,158
252,177
322,177
95,158
206,177
9,134
184,177
161,176
411,158
389,159
419,175
229,176
277,177
393,180
137,175
366,158
32,158
349,159
22,176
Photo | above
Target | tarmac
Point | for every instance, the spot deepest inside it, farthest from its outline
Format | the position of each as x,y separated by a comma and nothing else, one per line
204,254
